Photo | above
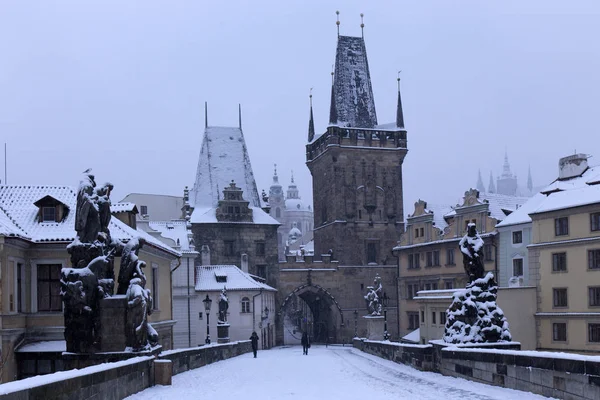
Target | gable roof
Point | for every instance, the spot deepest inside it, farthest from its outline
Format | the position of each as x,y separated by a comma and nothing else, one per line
209,216
206,279
223,158
20,216
577,197
521,215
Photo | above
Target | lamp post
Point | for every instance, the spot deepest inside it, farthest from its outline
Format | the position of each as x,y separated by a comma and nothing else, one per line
207,303
384,299
355,323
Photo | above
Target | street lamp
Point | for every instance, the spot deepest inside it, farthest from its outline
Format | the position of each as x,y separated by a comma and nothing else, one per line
207,303
355,323
385,298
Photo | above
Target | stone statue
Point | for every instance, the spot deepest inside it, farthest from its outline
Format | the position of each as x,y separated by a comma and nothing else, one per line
129,263
139,306
103,196
471,246
223,307
373,296
87,219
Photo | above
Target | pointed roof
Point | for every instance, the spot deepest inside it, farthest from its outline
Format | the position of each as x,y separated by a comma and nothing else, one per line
529,180
352,102
491,186
506,167
480,186
399,113
236,279
223,158
311,123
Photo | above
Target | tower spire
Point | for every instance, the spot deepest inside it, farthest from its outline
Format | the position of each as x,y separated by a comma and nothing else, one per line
311,122
333,116
240,114
362,25
529,181
480,186
399,113
337,13
491,187
205,114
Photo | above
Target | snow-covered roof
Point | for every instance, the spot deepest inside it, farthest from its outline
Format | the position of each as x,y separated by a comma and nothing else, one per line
122,207
439,211
223,158
17,204
43,346
580,196
352,97
209,216
590,176
296,204
414,336
176,233
236,279
521,215
500,205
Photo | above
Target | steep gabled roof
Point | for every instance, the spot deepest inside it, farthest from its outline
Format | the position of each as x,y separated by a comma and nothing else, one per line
236,279
352,102
223,158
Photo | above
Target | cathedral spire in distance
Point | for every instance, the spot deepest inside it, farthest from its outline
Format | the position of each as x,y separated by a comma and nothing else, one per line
529,181
491,186
480,186
311,122
506,167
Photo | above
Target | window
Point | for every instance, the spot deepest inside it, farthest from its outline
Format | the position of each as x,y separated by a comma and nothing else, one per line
559,332
411,290
245,305
561,226
413,320
429,259
228,251
229,209
417,260
594,333
371,253
155,287
48,214
19,287
416,232
450,257
595,222
260,249
144,210
436,257
411,264
594,259
430,286
559,297
221,278
594,296
442,318
422,232
559,262
517,237
48,287
487,252
261,270
433,319
517,267
423,317
448,285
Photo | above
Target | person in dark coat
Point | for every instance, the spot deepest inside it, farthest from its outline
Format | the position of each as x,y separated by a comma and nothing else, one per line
254,340
305,343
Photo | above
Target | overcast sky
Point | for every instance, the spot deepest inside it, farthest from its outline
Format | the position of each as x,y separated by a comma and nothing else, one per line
120,86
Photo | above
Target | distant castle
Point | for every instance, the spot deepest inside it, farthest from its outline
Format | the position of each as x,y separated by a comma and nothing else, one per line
506,183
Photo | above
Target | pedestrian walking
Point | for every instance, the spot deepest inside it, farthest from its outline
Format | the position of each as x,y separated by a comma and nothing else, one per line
305,343
254,340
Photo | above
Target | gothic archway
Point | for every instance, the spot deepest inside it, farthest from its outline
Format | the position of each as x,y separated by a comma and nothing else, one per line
313,309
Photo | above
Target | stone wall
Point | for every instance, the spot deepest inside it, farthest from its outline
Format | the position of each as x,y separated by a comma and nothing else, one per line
117,381
419,356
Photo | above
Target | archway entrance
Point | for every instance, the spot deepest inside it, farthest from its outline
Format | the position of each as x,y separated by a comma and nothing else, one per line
313,309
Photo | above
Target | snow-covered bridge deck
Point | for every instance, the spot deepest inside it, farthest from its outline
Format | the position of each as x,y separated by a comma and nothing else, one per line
325,373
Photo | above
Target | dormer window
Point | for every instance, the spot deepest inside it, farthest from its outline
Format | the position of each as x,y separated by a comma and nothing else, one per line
48,214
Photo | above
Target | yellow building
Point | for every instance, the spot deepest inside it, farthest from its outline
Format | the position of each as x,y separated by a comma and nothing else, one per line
428,253
36,225
565,251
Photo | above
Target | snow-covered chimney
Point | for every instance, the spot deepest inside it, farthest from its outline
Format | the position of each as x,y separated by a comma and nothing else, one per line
245,263
572,166
205,255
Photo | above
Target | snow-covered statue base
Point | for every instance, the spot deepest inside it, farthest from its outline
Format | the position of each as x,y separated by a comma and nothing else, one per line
474,315
375,327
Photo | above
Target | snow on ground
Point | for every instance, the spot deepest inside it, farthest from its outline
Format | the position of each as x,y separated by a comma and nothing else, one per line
325,373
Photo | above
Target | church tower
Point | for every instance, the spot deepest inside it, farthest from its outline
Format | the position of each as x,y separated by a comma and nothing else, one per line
356,166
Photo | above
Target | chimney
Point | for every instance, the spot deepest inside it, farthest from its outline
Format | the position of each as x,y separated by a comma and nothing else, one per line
572,166
245,263
205,255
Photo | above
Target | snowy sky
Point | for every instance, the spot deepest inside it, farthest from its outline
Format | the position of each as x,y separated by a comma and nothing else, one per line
120,86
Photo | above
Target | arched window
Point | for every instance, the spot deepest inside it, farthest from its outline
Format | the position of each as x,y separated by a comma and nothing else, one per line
277,212
245,305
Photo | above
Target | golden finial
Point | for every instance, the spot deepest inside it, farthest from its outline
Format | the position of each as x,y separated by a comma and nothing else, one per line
399,80
337,13
362,25
310,97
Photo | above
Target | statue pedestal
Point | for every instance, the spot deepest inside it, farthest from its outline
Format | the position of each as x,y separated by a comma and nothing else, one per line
222,333
113,311
375,325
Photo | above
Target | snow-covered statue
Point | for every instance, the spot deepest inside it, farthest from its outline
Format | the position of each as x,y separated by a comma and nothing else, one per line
223,307
373,296
474,315
130,263
87,217
139,306
471,246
